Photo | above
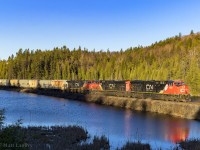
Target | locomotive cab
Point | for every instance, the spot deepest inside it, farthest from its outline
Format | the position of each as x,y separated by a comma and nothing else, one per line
176,87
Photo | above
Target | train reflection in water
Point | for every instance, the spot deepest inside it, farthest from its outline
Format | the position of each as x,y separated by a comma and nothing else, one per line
176,130
145,127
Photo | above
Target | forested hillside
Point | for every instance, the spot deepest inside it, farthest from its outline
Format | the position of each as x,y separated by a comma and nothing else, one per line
174,58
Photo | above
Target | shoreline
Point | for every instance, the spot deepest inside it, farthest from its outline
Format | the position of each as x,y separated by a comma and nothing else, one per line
187,110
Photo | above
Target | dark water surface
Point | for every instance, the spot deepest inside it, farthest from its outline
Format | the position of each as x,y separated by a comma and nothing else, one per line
118,125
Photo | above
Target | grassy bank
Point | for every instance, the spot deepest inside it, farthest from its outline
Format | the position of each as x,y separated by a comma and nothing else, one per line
189,110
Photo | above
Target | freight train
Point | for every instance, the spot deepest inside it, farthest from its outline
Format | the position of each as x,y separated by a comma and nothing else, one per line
171,90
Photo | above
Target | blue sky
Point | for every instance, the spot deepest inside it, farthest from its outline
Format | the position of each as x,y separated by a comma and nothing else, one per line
94,24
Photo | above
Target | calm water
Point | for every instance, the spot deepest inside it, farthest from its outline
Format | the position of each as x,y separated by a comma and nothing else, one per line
118,125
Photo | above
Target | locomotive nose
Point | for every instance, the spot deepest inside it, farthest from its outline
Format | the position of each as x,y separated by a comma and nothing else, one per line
185,89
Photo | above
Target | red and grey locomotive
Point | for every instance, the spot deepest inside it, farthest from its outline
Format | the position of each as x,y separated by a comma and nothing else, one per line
173,90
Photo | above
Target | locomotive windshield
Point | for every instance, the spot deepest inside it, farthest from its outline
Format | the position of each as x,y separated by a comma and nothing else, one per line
179,83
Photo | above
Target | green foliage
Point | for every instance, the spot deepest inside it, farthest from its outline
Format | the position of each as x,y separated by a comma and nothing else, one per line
11,137
174,58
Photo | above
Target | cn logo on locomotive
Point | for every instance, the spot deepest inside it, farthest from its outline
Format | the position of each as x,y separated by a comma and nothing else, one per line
111,86
149,87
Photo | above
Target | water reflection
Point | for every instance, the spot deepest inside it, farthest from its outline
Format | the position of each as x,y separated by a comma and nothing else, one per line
128,115
176,130
161,127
